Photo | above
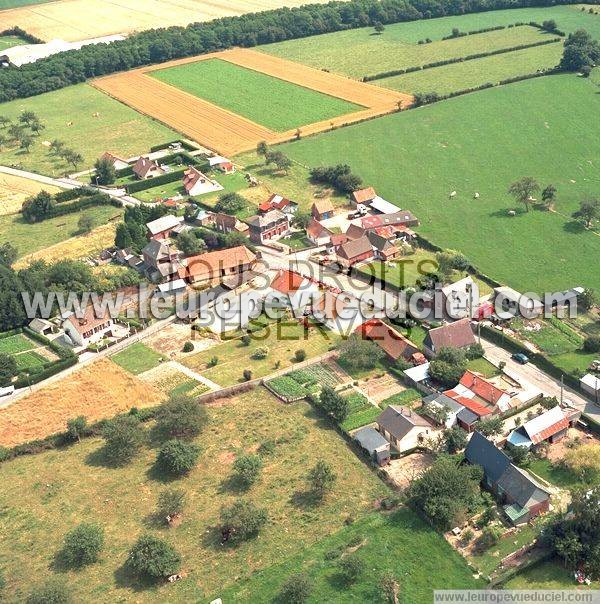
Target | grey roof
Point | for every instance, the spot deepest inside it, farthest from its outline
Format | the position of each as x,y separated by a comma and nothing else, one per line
263,220
483,452
399,421
156,249
368,438
521,488
443,400
467,416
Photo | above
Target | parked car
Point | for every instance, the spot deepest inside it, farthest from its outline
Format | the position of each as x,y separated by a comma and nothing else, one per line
521,358
7,390
595,365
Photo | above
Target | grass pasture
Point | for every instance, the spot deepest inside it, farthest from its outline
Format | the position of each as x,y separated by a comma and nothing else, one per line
549,574
119,128
423,154
30,238
14,190
265,100
39,507
137,358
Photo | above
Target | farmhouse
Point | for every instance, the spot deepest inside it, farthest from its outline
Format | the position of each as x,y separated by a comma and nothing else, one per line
221,163
88,329
146,168
277,202
161,260
162,228
392,342
550,426
404,428
355,251
377,447
354,231
291,289
197,183
117,162
268,227
384,250
453,335
522,496
229,224
214,266
322,209
317,234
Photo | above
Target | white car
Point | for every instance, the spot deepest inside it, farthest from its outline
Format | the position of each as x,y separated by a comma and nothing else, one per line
6,391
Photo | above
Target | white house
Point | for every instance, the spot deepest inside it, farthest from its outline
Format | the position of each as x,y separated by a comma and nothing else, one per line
221,163
88,329
441,401
197,183
405,429
318,234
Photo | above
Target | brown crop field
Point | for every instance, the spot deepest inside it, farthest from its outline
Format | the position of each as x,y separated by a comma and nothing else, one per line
97,391
80,19
227,132
14,190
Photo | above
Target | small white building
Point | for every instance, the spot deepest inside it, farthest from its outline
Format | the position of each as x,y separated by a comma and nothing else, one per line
221,163
440,401
590,384
88,329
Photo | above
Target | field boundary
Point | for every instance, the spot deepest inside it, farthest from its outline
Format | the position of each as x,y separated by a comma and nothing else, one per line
228,132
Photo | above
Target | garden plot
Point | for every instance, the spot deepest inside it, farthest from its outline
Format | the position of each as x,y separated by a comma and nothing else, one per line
309,380
169,341
169,379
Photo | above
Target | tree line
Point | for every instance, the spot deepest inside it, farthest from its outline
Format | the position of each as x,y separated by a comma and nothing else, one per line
159,45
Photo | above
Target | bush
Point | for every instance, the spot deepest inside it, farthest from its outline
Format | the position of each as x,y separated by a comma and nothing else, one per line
177,457
321,479
592,344
124,437
188,347
171,502
247,373
154,558
83,545
300,355
350,569
76,427
181,417
246,469
53,591
262,352
212,362
241,521
489,537
296,590
245,340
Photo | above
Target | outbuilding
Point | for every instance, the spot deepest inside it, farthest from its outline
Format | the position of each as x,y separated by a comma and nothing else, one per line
374,444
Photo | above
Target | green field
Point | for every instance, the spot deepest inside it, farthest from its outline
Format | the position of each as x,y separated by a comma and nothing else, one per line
16,3
39,506
118,129
358,52
268,101
10,41
482,142
15,344
469,74
29,360
400,544
28,238
137,358
549,574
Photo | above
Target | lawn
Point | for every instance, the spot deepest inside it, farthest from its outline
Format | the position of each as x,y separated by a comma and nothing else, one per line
137,358
282,339
406,398
424,154
550,574
403,272
38,507
28,238
10,41
400,544
29,360
484,367
15,344
359,52
118,128
263,99
469,74
554,473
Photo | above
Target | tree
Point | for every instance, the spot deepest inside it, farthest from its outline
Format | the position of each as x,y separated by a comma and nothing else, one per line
56,147
105,173
300,355
301,220
246,469
379,27
548,402
177,457
85,223
8,254
83,545
52,591
333,403
584,462
76,427
171,503
296,589
489,537
350,569
357,352
448,366
8,368
181,417
588,212
455,439
592,344
27,117
321,479
451,260
241,521
282,161
230,203
124,437
474,351
37,126
72,157
523,189
549,25
587,299
26,142
580,50
154,558
518,455
445,492
492,426
37,207
16,132
189,244
549,196
123,238
262,148
455,32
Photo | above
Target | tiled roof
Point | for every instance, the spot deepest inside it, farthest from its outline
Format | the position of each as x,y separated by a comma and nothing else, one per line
483,388
546,425
144,165
210,264
323,205
287,281
364,195
264,220
453,335
393,343
316,230
397,218
354,248
89,320
399,421
191,177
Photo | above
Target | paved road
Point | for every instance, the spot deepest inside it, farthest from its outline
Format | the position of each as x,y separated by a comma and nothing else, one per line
535,376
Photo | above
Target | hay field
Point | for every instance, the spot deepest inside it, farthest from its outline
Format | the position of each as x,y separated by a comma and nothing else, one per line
97,391
80,19
14,190
228,132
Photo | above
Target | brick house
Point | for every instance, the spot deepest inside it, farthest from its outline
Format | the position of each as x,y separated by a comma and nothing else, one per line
268,227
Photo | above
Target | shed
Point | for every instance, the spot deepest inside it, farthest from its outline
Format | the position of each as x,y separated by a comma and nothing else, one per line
374,444
591,385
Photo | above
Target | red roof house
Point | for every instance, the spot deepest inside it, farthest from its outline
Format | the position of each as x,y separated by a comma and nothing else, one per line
393,343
